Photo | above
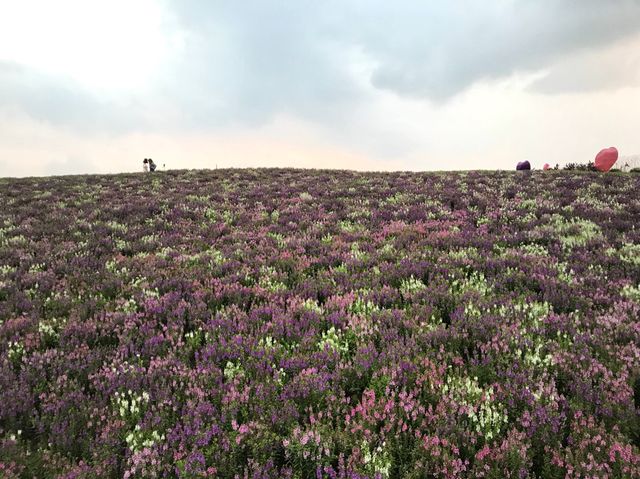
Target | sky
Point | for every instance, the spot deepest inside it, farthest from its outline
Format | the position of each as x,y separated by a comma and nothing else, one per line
94,86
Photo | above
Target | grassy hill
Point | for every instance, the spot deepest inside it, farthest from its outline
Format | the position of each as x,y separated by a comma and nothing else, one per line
333,324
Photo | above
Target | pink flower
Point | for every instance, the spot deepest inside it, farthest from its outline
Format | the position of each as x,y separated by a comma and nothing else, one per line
482,453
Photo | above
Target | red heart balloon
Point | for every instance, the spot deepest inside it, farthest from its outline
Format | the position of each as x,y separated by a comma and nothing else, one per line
606,159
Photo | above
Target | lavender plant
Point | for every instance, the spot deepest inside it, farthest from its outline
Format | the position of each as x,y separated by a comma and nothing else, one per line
320,324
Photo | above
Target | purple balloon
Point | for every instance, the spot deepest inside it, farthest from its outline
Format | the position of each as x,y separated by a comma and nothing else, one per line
523,165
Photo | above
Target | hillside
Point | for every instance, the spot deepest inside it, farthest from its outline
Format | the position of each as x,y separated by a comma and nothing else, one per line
302,324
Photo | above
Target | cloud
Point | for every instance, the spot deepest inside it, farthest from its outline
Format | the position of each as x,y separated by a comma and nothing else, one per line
62,102
249,59
607,68
243,63
436,50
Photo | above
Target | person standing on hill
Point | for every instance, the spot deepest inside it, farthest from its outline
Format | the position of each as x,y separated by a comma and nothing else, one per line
145,165
152,165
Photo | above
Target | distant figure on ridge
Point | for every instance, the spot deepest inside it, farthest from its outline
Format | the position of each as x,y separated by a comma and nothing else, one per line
148,165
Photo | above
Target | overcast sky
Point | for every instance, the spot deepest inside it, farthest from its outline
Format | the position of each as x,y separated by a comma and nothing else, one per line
94,86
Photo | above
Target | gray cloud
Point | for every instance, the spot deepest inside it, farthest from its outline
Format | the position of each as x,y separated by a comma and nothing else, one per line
259,56
435,50
244,62
61,102
591,71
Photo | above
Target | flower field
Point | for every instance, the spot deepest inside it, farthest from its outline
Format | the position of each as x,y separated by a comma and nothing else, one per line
314,324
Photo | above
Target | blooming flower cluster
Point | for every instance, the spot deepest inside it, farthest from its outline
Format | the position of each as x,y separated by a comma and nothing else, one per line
316,324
